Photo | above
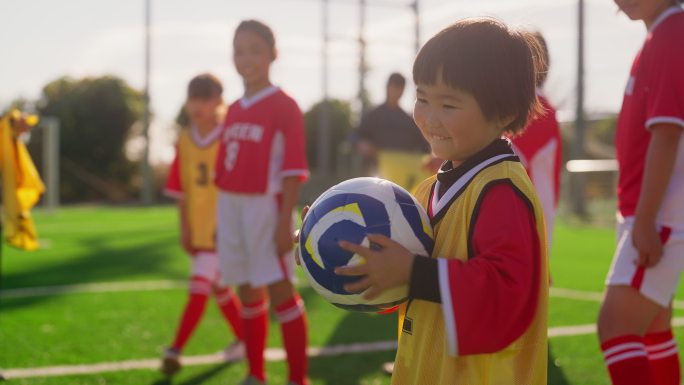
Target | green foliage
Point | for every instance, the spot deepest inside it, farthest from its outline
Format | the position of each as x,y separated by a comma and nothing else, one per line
96,116
340,127
603,131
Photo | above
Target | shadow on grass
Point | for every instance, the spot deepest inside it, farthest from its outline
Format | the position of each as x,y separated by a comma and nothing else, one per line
555,373
197,379
350,369
101,262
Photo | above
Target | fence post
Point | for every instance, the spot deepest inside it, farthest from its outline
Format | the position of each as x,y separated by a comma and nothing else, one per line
51,162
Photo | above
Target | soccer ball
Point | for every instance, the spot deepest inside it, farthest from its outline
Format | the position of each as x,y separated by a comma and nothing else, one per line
349,211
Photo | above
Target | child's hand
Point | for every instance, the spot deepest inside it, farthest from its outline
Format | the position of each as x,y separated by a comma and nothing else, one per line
384,269
283,237
296,236
646,241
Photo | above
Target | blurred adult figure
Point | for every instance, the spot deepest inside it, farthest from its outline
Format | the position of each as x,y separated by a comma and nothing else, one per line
389,138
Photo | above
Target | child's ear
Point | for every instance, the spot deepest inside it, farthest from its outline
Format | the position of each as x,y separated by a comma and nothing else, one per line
275,55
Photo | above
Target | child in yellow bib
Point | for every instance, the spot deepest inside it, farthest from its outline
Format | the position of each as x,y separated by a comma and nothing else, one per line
191,183
478,305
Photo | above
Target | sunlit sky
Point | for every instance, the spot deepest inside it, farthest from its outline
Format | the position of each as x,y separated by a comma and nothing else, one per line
45,39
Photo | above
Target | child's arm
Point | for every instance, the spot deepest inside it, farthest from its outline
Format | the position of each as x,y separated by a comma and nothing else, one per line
294,172
660,159
488,301
174,189
283,233
185,233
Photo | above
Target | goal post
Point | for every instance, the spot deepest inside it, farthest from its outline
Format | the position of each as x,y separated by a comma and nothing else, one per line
50,168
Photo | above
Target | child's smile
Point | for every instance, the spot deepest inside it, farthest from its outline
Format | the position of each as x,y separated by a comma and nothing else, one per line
452,122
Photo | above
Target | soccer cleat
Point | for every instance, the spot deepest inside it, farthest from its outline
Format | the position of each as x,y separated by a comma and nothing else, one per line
170,362
251,380
234,351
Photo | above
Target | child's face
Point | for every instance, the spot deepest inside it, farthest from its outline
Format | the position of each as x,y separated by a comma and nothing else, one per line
203,111
646,10
252,57
452,122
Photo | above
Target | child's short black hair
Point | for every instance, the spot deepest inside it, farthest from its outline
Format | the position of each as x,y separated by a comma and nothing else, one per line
204,86
396,79
259,28
493,62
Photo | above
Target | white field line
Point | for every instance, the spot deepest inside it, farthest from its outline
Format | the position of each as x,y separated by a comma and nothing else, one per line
272,354
105,287
578,330
98,287
592,296
102,287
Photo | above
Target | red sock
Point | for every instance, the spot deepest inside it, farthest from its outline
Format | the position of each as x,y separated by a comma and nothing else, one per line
255,327
292,320
190,318
662,355
229,304
626,359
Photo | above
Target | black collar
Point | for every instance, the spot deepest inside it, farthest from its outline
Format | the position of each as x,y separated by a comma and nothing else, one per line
448,175
451,182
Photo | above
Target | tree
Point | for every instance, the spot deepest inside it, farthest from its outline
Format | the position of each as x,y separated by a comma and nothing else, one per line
96,116
340,129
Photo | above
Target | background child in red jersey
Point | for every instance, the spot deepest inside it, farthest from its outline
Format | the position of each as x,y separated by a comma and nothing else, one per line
260,165
634,322
539,148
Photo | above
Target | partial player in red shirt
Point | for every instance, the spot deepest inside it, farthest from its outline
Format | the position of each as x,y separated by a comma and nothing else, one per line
634,322
190,183
260,165
539,148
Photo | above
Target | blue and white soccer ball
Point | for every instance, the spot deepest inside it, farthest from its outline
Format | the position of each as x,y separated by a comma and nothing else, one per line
349,211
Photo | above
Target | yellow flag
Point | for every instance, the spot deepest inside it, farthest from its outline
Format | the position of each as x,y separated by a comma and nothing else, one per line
21,185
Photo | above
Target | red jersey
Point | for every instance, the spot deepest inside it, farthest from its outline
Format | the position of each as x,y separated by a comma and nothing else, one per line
654,95
262,142
539,149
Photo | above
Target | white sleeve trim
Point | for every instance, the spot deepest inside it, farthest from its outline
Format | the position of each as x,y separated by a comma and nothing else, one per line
173,194
447,306
664,119
294,172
